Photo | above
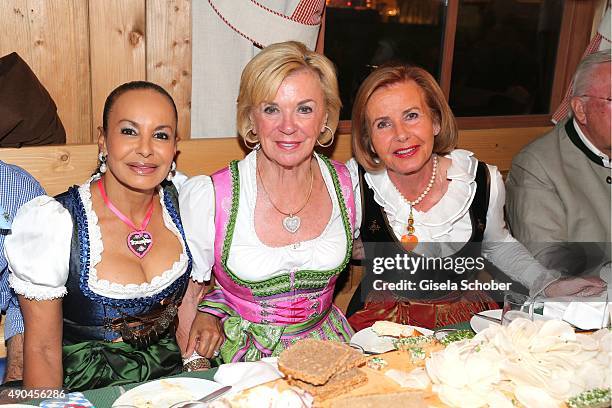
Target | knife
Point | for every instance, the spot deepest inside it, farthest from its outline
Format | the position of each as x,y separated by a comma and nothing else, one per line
489,318
208,397
215,394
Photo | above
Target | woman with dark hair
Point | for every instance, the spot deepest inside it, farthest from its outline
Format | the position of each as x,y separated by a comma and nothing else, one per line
424,199
100,270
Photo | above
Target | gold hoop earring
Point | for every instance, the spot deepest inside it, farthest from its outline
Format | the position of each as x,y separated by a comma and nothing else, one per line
327,128
254,141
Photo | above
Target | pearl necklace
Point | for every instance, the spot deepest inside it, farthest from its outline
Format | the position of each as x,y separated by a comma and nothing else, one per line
410,240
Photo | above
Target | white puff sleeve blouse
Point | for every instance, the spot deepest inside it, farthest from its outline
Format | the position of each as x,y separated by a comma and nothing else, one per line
38,250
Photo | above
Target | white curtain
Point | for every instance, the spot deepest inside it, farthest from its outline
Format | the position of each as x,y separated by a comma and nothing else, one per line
226,34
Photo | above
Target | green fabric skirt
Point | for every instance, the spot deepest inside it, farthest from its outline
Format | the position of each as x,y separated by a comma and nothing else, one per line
96,364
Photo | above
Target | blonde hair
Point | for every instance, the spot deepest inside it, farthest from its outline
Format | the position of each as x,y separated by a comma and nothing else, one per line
264,74
440,112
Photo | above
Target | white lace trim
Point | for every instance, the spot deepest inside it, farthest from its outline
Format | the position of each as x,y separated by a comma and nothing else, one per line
452,206
35,292
115,290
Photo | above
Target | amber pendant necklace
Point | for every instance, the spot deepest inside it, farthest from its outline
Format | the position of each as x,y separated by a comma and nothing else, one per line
410,240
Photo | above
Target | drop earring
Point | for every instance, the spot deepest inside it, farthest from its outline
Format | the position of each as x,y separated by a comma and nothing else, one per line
172,171
102,158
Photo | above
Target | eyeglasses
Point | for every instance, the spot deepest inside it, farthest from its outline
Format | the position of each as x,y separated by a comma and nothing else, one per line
608,98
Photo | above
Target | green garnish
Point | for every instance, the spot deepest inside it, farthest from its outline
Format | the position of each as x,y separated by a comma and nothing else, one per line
406,343
417,353
457,336
377,363
595,398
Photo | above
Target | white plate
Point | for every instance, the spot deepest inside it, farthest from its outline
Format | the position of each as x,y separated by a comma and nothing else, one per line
368,340
479,324
166,392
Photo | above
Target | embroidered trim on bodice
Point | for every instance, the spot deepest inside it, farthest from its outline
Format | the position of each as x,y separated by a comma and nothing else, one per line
301,279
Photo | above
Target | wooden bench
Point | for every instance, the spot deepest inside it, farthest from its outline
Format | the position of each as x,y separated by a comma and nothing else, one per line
58,167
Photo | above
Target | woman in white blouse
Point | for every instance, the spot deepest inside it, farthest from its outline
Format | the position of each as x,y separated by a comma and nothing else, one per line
422,198
100,269
276,227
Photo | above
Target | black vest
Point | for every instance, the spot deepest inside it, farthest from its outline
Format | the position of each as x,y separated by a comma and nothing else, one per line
375,229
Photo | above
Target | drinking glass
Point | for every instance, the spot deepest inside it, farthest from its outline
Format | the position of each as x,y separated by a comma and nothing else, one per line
606,321
516,306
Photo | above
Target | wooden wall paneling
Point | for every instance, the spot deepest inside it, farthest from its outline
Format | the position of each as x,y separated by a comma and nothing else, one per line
574,37
52,37
169,54
117,42
55,167
498,146
448,49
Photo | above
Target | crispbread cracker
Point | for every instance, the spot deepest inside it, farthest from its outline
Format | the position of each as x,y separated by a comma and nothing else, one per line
313,361
353,359
337,384
402,399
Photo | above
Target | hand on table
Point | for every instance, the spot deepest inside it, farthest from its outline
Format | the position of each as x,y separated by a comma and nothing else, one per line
583,287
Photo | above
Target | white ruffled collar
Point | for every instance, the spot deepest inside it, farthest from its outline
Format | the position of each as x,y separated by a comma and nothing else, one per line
114,290
452,206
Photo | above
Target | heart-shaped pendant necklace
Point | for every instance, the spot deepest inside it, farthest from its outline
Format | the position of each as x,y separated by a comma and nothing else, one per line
140,240
291,222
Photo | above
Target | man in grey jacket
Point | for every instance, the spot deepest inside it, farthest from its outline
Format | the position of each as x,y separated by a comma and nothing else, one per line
558,189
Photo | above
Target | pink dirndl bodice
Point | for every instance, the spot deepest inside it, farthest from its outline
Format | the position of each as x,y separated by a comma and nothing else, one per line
293,300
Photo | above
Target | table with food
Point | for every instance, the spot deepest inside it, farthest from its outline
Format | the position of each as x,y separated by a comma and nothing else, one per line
531,364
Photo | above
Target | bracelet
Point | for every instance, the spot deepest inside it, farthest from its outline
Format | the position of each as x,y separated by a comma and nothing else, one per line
197,364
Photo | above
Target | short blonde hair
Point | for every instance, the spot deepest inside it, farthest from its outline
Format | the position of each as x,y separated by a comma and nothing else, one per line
264,74
388,75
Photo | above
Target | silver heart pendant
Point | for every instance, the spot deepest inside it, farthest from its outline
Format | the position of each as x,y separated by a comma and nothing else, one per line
140,242
292,223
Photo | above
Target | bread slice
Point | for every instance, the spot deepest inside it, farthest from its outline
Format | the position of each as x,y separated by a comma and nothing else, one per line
353,359
314,361
338,384
402,399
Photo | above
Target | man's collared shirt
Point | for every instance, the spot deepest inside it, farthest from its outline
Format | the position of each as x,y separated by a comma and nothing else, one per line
604,158
17,187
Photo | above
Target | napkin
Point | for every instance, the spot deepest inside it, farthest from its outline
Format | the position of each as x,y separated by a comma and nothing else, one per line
584,315
72,400
248,374
5,219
